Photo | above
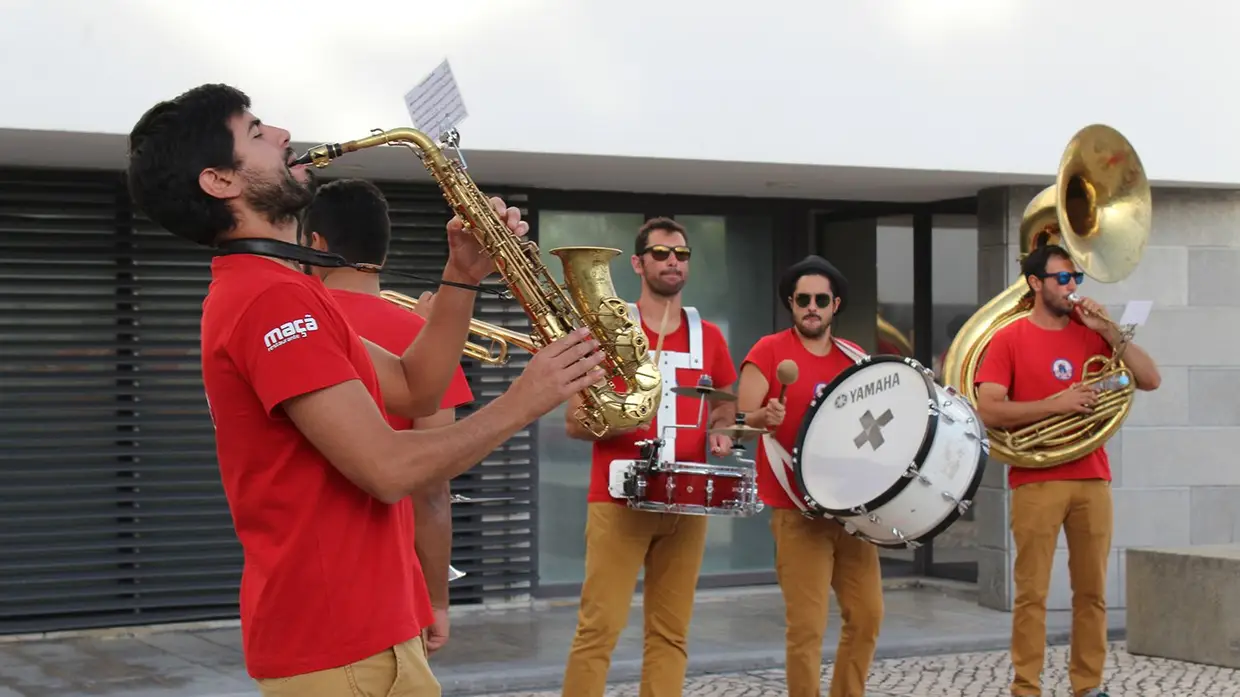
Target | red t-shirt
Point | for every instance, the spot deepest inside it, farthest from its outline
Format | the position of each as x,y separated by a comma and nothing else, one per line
329,570
813,372
394,328
690,442
1034,363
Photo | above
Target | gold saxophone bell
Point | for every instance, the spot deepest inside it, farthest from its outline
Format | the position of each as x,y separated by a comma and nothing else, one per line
500,337
1099,210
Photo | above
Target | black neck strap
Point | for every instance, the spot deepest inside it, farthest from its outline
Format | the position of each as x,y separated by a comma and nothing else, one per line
288,251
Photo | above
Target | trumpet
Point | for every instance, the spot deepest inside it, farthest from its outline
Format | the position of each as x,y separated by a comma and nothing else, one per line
499,337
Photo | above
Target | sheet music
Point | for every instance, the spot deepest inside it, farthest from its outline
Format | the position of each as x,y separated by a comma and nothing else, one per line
435,105
1136,312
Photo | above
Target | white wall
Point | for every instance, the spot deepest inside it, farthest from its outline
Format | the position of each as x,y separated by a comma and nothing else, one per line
964,85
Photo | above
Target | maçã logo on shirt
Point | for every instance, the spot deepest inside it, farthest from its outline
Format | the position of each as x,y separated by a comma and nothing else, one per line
289,331
1062,369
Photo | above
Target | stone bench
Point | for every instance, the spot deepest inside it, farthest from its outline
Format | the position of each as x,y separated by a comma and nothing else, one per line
1183,603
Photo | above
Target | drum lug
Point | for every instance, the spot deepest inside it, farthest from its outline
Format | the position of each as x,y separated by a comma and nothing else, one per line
710,491
961,505
908,544
911,472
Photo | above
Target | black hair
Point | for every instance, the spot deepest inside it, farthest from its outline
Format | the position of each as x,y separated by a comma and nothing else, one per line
665,224
169,147
352,217
1034,264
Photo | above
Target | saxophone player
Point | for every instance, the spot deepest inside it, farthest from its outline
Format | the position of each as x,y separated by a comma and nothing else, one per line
812,555
621,540
314,475
1032,370
349,217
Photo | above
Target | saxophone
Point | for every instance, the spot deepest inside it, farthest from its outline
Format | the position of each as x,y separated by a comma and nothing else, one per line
590,300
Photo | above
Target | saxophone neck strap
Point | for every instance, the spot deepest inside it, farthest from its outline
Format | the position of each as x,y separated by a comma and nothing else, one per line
288,251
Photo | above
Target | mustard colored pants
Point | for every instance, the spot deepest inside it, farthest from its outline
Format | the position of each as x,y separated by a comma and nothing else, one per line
619,541
811,557
1039,510
401,671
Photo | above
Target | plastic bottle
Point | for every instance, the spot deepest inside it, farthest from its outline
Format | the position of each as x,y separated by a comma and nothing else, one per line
1115,382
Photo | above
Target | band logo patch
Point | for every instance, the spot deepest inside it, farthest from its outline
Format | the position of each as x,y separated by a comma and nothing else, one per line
289,331
1062,369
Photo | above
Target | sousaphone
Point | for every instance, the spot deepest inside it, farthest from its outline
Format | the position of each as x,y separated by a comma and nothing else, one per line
1099,209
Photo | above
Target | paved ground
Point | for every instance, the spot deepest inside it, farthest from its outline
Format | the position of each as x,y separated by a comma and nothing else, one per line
983,674
494,651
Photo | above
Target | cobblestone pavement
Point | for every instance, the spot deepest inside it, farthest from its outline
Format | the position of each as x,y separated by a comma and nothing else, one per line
975,675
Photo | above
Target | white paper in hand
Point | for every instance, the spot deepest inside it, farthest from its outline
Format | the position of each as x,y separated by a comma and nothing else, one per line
435,104
1136,312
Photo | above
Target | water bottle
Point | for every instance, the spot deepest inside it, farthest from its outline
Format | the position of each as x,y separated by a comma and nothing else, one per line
1115,382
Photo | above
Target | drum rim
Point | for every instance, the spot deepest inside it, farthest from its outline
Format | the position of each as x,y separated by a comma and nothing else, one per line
932,426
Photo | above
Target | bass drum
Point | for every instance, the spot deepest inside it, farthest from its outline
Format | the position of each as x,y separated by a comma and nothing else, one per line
893,456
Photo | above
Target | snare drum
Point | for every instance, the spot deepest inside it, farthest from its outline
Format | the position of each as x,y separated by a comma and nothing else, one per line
892,455
686,488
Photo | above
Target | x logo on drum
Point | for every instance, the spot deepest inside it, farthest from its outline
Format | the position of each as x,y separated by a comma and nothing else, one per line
872,429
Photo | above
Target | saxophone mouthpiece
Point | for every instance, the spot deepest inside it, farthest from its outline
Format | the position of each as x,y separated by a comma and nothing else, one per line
319,155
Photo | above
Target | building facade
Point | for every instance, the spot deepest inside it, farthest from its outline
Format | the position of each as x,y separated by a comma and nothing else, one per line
112,513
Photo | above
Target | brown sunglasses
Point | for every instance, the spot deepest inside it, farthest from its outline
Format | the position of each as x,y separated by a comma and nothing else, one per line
661,252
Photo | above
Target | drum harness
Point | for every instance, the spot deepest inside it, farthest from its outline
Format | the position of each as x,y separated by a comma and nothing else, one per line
669,362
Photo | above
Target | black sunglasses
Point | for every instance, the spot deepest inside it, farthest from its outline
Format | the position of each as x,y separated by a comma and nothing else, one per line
1062,277
822,300
661,252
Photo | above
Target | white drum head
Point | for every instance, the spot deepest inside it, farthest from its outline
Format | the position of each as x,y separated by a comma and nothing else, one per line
862,434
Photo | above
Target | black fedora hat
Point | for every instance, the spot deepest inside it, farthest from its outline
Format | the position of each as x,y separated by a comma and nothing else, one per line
813,265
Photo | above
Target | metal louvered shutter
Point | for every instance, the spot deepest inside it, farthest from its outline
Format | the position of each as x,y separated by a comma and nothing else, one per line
110,508
112,512
493,543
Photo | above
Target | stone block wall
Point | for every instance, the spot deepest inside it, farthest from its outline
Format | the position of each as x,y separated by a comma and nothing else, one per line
1176,461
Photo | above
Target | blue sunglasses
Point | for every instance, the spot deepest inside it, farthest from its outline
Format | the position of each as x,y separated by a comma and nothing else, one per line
1062,277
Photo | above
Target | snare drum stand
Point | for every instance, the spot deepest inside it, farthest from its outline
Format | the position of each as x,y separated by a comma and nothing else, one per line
651,453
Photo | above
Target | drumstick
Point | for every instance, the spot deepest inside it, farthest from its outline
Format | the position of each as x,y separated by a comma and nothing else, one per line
658,349
786,372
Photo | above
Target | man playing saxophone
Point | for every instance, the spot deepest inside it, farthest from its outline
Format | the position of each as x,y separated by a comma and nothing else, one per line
621,540
1032,370
316,478
349,217
812,555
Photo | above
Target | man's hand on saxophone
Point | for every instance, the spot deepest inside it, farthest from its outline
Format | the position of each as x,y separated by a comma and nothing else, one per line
467,261
415,382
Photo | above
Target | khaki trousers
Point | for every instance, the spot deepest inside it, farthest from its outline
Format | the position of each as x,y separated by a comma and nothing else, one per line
1083,510
811,557
619,540
401,671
